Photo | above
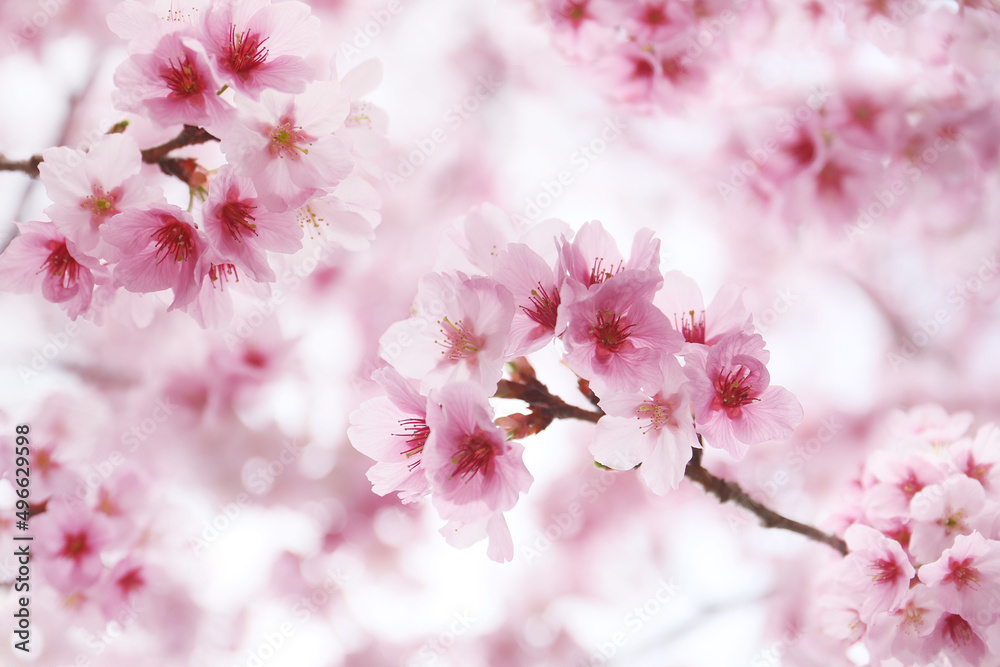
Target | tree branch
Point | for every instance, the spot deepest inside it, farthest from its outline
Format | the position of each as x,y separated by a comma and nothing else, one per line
727,491
29,166
189,136
545,407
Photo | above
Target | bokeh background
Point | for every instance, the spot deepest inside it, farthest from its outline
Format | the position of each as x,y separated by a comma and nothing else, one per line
256,520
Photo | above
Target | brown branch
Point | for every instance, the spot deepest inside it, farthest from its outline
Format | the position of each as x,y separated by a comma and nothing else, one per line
29,166
545,407
189,136
731,492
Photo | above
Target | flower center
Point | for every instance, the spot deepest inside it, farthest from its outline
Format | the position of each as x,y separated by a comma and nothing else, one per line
459,342
286,139
658,413
963,574
957,629
220,274
100,203
416,433
609,332
694,332
884,571
544,307
655,15
60,265
131,580
244,53
236,219
733,390
953,522
911,485
182,78
598,274
475,455
174,240
75,546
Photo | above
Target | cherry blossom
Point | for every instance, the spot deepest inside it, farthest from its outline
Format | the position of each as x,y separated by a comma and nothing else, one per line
734,404
41,255
393,430
652,428
458,332
89,189
161,248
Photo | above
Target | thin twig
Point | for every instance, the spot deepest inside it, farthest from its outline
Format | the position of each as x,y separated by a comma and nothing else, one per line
545,407
727,491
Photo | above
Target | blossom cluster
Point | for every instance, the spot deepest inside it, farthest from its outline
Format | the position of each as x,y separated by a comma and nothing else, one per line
645,52
922,579
296,146
621,325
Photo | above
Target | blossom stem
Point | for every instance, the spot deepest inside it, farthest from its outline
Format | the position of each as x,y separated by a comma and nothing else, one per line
545,407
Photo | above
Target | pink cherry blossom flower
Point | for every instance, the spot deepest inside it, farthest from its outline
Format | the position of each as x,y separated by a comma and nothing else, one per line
901,634
457,332
657,20
88,189
242,231
957,639
876,571
285,144
347,217
734,404
977,458
535,289
393,430
592,257
474,243
965,580
653,428
942,512
128,579
69,538
161,249
41,254
258,45
172,85
680,299
473,470
929,424
616,336
896,478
